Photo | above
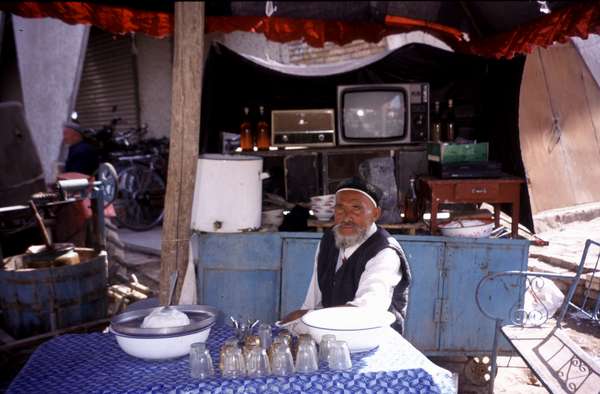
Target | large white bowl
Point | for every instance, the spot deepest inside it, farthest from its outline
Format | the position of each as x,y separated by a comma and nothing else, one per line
467,228
160,348
359,327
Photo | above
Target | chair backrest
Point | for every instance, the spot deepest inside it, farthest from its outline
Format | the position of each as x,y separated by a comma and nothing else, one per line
587,273
589,262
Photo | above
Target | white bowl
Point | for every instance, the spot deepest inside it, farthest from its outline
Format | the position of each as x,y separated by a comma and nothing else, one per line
160,348
467,228
272,217
325,198
359,327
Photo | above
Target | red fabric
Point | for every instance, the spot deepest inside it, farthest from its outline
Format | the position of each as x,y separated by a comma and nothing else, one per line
117,20
314,32
577,20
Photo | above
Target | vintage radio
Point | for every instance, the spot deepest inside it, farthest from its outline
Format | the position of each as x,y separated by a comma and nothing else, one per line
303,127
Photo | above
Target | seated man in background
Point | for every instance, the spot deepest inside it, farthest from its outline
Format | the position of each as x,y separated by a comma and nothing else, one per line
358,263
73,220
83,157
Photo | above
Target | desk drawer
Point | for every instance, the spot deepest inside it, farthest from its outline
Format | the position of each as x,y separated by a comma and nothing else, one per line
477,191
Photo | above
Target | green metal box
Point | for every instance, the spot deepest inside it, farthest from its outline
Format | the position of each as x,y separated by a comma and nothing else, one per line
446,152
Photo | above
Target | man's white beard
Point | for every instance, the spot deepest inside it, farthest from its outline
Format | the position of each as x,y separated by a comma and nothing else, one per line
346,241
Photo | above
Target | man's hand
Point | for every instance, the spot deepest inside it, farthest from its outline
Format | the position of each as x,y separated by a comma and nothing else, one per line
294,315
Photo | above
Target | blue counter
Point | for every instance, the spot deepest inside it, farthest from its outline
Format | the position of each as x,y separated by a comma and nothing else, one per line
265,276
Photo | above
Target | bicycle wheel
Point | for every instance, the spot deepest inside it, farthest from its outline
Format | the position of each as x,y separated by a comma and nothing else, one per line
140,203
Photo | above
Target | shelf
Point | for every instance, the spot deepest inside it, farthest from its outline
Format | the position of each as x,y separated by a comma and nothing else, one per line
415,147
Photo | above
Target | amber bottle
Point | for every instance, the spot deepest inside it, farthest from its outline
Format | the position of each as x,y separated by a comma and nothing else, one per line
263,136
411,210
246,138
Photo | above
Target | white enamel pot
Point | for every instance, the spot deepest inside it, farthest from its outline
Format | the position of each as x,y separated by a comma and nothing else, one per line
228,193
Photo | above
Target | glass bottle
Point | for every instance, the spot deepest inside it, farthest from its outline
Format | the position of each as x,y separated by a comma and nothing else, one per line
246,140
450,122
436,124
263,138
411,214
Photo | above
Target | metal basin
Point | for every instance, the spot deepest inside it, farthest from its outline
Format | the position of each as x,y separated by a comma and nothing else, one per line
162,343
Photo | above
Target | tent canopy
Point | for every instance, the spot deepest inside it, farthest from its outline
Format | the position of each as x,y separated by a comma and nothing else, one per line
498,29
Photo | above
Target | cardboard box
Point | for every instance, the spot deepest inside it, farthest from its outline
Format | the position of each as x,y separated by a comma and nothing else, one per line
446,152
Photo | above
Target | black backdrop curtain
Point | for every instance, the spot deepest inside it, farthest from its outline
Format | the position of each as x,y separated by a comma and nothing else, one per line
485,93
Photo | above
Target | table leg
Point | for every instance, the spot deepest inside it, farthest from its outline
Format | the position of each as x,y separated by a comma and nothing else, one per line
497,215
516,207
433,229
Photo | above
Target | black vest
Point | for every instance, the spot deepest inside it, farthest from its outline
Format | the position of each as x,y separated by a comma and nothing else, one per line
338,288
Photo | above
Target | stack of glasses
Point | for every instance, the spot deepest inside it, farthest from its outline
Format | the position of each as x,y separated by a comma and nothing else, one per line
262,355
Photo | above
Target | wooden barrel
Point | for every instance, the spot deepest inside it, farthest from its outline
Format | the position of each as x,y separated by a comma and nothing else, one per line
71,294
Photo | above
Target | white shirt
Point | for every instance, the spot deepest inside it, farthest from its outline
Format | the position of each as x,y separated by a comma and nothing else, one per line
377,282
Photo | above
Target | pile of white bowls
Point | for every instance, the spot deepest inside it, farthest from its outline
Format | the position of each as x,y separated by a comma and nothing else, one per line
467,228
323,206
271,219
360,327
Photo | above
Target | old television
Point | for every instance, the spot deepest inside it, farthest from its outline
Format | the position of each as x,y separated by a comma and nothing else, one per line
379,114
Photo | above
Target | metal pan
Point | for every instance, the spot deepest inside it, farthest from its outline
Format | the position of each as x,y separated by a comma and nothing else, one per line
128,323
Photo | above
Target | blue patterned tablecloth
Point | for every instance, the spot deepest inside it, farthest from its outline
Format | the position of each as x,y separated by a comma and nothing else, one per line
94,363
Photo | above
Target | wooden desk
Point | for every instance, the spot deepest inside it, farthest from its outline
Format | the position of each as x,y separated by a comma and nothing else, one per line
411,228
495,191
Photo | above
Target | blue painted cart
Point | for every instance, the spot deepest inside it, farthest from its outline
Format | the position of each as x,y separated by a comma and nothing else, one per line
265,276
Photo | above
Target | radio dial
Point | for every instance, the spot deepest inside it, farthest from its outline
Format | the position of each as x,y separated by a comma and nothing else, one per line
284,138
321,137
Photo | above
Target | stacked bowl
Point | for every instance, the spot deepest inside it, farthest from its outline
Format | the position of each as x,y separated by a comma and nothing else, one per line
323,206
272,218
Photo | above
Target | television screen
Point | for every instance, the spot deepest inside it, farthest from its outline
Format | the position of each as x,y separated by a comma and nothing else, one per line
374,114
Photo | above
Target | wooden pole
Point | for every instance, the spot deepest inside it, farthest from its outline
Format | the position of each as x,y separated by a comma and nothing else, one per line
183,149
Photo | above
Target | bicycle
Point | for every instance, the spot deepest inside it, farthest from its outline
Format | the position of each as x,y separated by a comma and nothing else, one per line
140,202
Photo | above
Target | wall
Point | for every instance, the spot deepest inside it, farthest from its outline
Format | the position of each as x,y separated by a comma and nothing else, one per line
49,57
155,63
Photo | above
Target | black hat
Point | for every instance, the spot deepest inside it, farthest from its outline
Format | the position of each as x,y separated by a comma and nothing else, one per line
360,185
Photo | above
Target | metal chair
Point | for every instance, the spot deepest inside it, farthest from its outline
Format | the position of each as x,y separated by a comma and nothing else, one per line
547,350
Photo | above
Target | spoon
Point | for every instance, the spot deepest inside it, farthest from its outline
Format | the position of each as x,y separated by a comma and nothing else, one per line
172,283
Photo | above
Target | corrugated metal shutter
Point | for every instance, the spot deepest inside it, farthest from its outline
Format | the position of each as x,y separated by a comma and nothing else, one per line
109,79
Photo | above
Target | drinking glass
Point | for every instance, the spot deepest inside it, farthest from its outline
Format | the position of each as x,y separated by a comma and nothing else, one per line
339,356
282,363
310,343
306,358
234,365
201,366
264,333
257,362
325,346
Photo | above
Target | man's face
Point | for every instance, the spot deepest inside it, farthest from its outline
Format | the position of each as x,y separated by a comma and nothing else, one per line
70,136
354,214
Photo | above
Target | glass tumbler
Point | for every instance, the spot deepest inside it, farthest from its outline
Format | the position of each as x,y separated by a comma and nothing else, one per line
234,365
264,333
282,363
325,346
306,358
339,356
257,362
201,366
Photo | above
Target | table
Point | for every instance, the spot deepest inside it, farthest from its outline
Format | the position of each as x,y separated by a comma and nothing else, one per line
495,191
94,363
411,228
